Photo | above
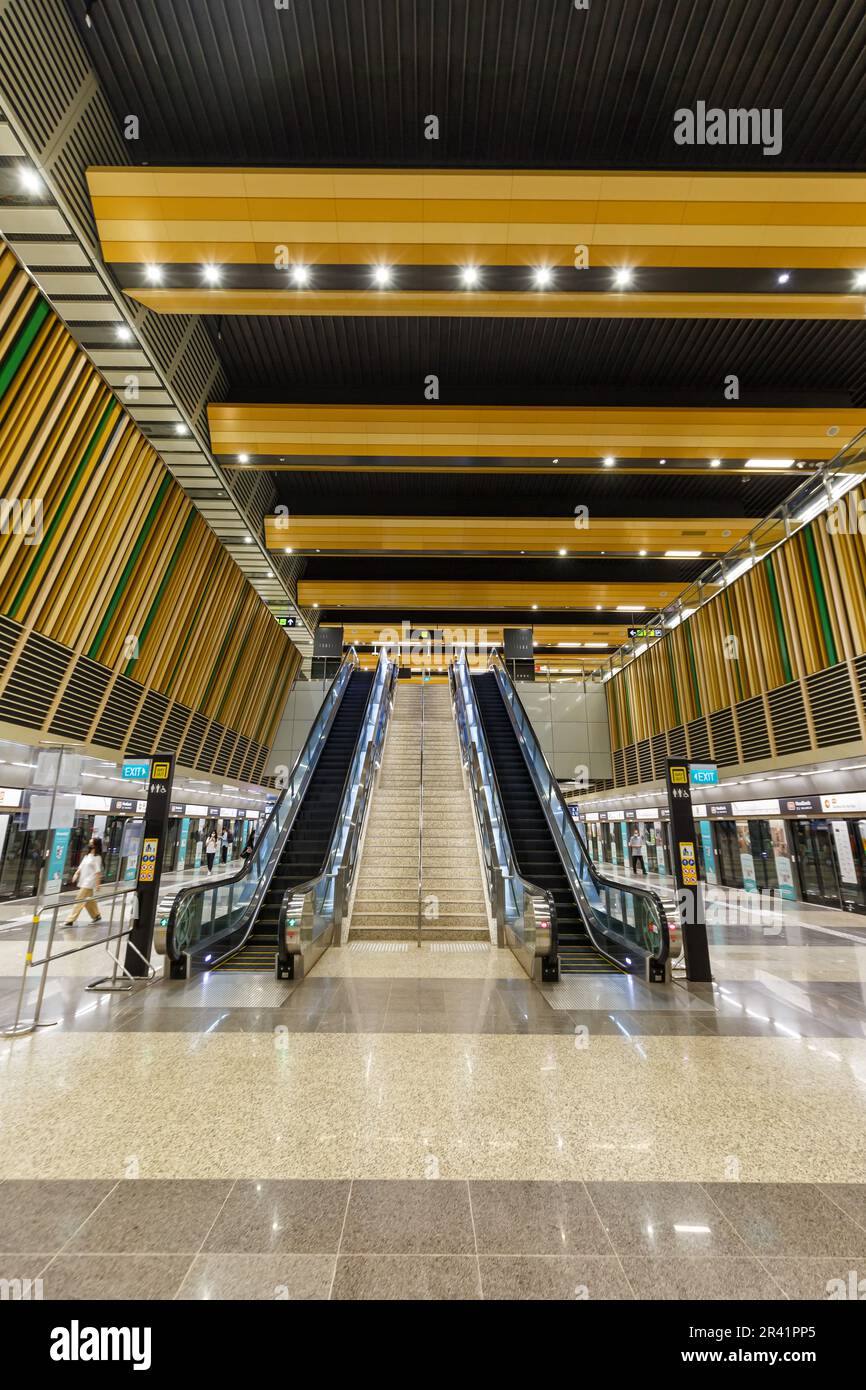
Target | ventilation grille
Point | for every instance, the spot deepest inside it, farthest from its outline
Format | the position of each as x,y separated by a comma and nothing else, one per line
860,676
631,765
27,35
221,760
143,736
117,717
192,742
9,634
259,765
239,757
699,741
834,711
618,767
677,742
211,744
34,681
724,738
644,761
754,735
788,719
169,739
660,754
80,700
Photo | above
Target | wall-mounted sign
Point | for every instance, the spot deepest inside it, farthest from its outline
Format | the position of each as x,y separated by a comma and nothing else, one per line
755,808
287,622
690,898
592,815
228,812
135,771
647,813
196,810
646,632
719,808
844,801
124,803
703,774
147,867
10,796
800,805
93,803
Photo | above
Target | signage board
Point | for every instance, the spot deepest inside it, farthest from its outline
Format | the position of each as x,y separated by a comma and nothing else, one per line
646,632
154,834
719,808
685,871
703,774
755,808
10,796
135,771
842,802
800,805
147,866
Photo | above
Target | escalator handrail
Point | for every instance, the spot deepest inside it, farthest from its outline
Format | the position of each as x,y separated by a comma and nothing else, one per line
302,889
509,869
497,665
315,742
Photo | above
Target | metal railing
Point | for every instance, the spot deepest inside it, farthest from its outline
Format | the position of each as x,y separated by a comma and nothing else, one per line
621,922
214,920
311,914
525,914
818,492
118,925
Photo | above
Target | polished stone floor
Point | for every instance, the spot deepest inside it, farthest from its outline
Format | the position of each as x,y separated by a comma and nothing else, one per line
432,1239
430,1123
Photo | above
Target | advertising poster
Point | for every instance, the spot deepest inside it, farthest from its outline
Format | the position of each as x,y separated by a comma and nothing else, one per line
784,867
183,841
747,862
57,861
706,833
842,840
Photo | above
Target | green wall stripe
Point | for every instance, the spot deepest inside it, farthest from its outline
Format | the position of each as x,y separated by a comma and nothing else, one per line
241,653
19,349
821,598
777,616
694,672
186,641
154,607
58,515
221,653
128,568
668,641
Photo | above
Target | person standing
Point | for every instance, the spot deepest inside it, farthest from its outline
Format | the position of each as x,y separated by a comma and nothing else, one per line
210,850
249,849
88,877
636,846
224,847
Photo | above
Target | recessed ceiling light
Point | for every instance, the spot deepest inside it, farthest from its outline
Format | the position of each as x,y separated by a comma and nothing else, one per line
715,463
153,273
609,461
300,274
315,605
181,428
682,554
641,552
622,278
382,275
123,333
662,462
543,277
269,573
769,463
30,180
290,550
248,540
211,274
534,606
631,608
469,275
783,278
562,550
243,458
598,608
860,280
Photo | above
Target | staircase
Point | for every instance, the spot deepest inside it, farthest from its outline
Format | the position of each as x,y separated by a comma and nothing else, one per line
452,903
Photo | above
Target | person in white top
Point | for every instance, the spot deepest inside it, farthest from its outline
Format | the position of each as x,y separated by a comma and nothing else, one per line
636,848
210,850
88,877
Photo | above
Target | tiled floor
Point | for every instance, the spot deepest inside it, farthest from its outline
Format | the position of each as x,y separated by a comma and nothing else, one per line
431,1239
432,1125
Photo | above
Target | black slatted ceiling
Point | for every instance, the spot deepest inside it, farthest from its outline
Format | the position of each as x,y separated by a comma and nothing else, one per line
514,82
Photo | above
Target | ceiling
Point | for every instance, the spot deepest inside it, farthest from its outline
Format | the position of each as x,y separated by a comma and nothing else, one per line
248,115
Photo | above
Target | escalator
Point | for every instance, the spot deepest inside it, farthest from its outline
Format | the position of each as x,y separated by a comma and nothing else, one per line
306,850
534,847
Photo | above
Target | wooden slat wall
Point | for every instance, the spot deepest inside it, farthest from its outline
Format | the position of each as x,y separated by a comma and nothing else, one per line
123,553
796,612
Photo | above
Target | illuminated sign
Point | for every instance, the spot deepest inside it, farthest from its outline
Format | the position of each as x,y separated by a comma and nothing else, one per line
135,772
703,774
147,867
649,632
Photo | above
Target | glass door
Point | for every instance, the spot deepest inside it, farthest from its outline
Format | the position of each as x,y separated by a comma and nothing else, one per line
730,868
816,863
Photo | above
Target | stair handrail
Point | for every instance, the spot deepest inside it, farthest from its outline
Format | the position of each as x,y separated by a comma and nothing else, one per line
532,908
322,900
268,847
655,924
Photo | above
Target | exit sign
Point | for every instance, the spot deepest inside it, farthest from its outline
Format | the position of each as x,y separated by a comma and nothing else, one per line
703,774
646,632
135,772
